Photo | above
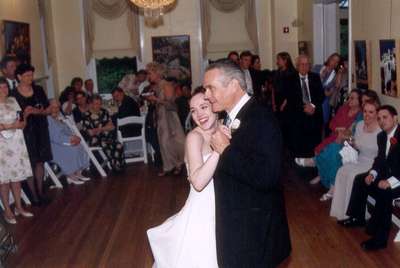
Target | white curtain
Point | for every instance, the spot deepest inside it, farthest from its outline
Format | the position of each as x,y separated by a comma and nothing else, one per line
111,9
228,6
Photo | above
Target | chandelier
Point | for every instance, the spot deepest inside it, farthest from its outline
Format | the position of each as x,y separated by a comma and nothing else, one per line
153,10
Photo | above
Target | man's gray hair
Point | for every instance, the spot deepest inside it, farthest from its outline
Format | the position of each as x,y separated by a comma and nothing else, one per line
230,71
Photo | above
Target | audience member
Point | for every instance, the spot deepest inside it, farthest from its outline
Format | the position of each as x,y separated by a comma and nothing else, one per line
151,125
365,143
381,182
14,164
98,130
34,103
69,103
234,56
182,103
126,107
330,83
68,154
81,108
327,157
255,63
303,110
285,71
169,130
8,66
133,84
89,87
245,62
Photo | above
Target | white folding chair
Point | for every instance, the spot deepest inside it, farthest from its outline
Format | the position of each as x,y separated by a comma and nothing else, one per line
133,145
89,150
52,175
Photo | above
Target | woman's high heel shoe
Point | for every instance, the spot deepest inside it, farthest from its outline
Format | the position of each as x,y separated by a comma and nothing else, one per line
25,214
10,221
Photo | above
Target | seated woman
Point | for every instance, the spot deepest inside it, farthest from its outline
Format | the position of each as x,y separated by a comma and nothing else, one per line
69,104
68,154
81,108
14,165
327,158
98,130
365,138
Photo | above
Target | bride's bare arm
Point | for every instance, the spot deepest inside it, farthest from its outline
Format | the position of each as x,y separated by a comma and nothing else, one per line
200,173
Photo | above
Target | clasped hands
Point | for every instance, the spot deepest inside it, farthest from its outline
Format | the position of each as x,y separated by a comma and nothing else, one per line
383,184
220,139
74,140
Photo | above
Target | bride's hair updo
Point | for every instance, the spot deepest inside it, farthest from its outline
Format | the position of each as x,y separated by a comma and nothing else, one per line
198,90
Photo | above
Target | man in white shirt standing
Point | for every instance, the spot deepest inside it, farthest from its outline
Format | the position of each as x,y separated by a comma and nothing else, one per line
8,67
381,182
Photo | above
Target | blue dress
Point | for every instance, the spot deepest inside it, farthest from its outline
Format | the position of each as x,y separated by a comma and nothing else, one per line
69,158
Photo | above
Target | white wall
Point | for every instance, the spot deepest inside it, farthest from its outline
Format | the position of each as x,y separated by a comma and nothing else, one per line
368,25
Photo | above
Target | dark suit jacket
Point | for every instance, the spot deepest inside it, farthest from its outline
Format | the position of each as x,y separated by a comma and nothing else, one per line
251,224
390,165
303,132
258,79
129,107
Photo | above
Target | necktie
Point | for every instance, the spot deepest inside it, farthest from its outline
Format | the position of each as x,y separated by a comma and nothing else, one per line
14,85
304,89
227,121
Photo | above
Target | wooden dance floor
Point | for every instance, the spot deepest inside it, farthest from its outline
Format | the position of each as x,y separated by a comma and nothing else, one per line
103,224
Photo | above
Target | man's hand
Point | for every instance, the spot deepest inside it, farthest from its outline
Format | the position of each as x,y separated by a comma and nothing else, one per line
309,109
369,179
219,140
384,184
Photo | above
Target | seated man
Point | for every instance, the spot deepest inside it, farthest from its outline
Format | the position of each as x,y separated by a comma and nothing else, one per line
381,182
126,107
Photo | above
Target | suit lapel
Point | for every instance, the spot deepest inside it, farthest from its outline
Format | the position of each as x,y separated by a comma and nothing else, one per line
241,114
392,146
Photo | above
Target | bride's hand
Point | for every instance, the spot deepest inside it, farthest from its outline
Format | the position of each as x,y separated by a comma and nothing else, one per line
226,131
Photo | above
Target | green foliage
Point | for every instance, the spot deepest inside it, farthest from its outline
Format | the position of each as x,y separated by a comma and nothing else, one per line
111,71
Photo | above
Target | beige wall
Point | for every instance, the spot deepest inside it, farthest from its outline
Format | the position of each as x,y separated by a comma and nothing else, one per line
284,12
368,25
28,12
67,37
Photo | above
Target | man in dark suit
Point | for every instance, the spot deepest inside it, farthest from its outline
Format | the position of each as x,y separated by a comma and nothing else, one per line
379,182
302,110
251,223
126,107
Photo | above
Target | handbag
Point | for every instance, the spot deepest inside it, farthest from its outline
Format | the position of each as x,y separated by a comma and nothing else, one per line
348,154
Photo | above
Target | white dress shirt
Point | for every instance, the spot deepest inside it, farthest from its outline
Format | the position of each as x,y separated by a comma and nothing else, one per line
249,82
11,82
307,84
233,113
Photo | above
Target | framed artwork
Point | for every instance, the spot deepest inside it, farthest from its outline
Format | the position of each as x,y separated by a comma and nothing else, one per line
362,61
387,58
174,53
16,39
111,71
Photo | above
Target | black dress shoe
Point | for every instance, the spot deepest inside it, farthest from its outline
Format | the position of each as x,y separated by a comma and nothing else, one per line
352,222
44,200
372,244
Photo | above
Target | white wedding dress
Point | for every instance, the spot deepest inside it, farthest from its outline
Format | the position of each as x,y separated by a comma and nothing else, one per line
187,239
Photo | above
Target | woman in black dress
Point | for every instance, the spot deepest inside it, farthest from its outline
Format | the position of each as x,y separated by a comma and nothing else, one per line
34,103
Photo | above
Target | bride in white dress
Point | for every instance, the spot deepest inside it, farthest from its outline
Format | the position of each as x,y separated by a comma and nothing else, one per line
187,239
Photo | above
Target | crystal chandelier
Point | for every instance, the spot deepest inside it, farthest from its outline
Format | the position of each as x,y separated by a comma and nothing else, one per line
153,10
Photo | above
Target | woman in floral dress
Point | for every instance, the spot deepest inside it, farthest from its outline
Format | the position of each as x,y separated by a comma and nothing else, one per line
98,130
14,163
